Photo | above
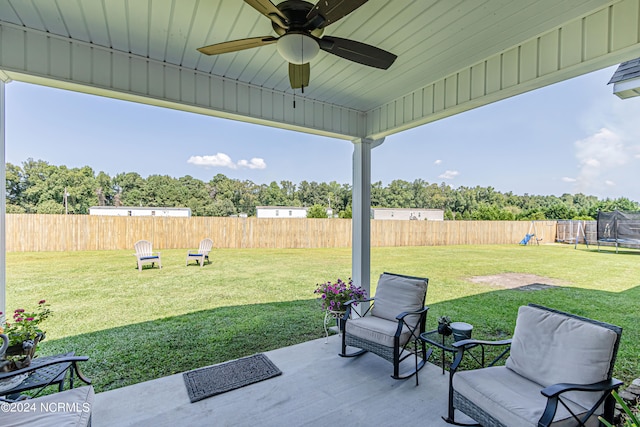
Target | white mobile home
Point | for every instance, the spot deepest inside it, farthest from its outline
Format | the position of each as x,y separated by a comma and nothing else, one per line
281,212
139,211
407,214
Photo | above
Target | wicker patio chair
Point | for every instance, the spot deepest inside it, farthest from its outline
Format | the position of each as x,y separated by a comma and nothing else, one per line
202,253
391,324
559,373
145,255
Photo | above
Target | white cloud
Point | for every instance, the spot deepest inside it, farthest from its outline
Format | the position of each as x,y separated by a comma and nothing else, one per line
218,160
568,179
449,174
612,125
254,163
224,161
598,155
610,183
437,162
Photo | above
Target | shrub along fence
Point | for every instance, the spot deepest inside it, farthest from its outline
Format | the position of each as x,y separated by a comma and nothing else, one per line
26,232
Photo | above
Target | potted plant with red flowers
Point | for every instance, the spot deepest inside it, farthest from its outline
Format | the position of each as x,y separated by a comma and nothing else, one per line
23,333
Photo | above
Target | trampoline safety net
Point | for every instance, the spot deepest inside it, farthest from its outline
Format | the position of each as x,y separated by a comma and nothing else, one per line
619,227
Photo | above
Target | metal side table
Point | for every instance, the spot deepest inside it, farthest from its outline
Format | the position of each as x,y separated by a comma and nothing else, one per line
45,371
444,343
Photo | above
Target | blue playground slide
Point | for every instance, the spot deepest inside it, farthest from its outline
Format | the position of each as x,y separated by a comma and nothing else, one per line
526,239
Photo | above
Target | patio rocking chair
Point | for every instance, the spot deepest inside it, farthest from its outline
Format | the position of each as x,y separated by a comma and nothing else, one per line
145,255
391,324
202,254
558,373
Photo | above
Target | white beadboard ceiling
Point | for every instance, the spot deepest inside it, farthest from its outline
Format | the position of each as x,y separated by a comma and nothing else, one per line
432,38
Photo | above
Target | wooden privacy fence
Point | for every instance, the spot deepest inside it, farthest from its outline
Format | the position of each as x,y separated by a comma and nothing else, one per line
26,232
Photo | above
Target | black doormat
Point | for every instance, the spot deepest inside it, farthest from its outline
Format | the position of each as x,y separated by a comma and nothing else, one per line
207,382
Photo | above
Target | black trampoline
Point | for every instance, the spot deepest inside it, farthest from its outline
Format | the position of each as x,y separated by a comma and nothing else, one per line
621,229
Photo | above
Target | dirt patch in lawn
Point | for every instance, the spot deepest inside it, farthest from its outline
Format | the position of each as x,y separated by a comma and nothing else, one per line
519,281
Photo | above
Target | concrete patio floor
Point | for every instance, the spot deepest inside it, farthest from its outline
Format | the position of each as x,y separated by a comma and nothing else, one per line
317,387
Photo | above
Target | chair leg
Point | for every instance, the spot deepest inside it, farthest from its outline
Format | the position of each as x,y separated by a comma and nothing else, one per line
344,353
356,354
451,415
419,365
609,408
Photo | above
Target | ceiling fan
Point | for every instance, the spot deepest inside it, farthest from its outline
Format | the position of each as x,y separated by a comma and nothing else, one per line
300,26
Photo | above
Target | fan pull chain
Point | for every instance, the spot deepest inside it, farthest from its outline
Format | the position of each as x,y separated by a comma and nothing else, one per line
294,95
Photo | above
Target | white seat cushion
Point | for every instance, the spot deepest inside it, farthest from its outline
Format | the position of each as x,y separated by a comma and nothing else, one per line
396,294
375,329
550,348
511,398
70,408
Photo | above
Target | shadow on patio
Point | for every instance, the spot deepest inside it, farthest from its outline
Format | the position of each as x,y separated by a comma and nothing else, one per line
317,387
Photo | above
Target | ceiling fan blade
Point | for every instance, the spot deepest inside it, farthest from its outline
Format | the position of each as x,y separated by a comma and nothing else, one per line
269,10
299,75
236,45
357,52
327,12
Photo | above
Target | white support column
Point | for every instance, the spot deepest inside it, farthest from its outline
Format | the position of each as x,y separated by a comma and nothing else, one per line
361,212
3,190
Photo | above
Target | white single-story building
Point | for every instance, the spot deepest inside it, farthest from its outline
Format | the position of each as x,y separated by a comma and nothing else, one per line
407,214
281,212
139,211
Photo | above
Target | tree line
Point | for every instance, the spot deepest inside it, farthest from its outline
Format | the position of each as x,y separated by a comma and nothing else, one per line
39,187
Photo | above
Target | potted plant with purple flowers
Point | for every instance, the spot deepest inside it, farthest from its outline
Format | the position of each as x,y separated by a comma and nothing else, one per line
333,295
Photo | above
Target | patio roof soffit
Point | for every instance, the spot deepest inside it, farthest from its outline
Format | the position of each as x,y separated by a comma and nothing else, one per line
33,56
588,43
601,39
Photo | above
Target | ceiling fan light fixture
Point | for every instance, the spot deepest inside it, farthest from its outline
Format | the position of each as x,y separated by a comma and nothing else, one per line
297,48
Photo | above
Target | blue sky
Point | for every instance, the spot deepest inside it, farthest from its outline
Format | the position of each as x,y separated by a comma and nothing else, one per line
571,137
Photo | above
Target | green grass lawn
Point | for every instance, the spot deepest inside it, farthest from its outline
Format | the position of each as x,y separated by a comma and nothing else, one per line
140,326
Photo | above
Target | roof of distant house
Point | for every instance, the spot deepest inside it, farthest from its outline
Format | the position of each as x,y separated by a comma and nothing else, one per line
626,71
408,209
133,208
281,207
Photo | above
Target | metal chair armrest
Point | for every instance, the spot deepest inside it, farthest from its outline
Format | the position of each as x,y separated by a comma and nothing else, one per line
557,389
355,301
553,392
79,373
415,330
402,315
352,303
463,343
32,368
